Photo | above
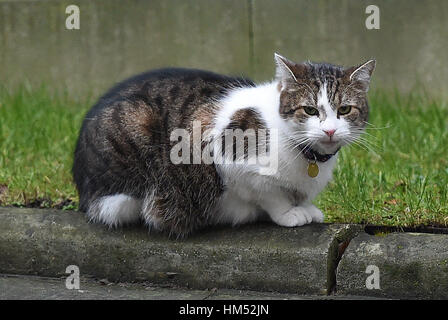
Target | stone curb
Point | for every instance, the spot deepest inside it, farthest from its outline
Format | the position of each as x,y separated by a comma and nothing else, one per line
410,265
261,257
309,260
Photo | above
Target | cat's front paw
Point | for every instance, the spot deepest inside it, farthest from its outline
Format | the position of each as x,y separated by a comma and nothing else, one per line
315,213
297,216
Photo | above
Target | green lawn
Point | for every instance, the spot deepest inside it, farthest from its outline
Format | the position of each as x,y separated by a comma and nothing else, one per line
398,177
38,131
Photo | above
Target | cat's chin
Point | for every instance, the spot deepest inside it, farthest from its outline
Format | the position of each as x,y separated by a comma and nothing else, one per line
327,147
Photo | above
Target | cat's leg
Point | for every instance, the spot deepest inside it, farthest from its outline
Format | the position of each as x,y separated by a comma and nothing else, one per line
284,213
115,210
182,199
234,210
163,212
151,213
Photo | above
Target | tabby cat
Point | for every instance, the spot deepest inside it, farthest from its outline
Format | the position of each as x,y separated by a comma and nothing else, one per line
126,171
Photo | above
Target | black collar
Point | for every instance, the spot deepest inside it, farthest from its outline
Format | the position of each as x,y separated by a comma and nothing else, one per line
312,155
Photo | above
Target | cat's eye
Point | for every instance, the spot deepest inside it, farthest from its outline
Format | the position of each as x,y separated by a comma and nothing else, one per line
344,110
311,111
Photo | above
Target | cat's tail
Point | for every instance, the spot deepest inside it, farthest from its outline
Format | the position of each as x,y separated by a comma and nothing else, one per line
115,210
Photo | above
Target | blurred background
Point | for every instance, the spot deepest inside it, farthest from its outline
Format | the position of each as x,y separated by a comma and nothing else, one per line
396,174
120,38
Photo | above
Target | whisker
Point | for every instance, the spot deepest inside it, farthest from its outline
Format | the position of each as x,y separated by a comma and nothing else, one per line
364,144
375,127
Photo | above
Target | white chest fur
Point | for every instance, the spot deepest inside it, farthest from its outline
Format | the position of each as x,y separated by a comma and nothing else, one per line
249,193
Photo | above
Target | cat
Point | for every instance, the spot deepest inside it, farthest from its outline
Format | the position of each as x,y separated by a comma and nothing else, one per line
123,162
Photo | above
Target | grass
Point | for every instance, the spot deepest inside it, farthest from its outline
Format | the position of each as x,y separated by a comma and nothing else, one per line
38,132
400,178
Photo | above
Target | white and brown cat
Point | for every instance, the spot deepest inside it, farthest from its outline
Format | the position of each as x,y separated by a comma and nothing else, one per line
123,165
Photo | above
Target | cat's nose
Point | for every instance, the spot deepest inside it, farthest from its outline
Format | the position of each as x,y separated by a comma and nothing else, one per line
330,133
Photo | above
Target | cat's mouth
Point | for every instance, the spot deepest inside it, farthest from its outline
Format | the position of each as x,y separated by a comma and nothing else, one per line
328,146
329,142
313,154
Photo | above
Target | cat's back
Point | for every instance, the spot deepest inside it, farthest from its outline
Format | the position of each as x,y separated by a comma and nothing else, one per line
125,137
151,105
173,89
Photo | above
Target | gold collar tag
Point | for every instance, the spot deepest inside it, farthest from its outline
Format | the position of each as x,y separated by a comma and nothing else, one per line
313,169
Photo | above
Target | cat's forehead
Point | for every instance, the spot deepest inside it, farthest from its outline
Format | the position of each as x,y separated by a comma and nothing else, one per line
321,79
320,75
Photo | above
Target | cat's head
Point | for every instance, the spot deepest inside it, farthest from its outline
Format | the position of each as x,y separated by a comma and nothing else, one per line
324,105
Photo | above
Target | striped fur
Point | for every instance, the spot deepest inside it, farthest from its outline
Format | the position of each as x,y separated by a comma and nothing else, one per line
124,173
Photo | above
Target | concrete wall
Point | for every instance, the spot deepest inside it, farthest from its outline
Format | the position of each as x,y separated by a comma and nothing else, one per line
120,38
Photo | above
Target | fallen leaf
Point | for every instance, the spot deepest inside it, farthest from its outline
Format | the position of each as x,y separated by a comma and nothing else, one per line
393,202
3,189
399,183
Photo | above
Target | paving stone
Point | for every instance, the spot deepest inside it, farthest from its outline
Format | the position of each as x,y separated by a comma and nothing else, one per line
32,288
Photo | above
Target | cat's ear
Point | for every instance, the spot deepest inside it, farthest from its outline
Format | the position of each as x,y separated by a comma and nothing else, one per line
361,74
287,71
